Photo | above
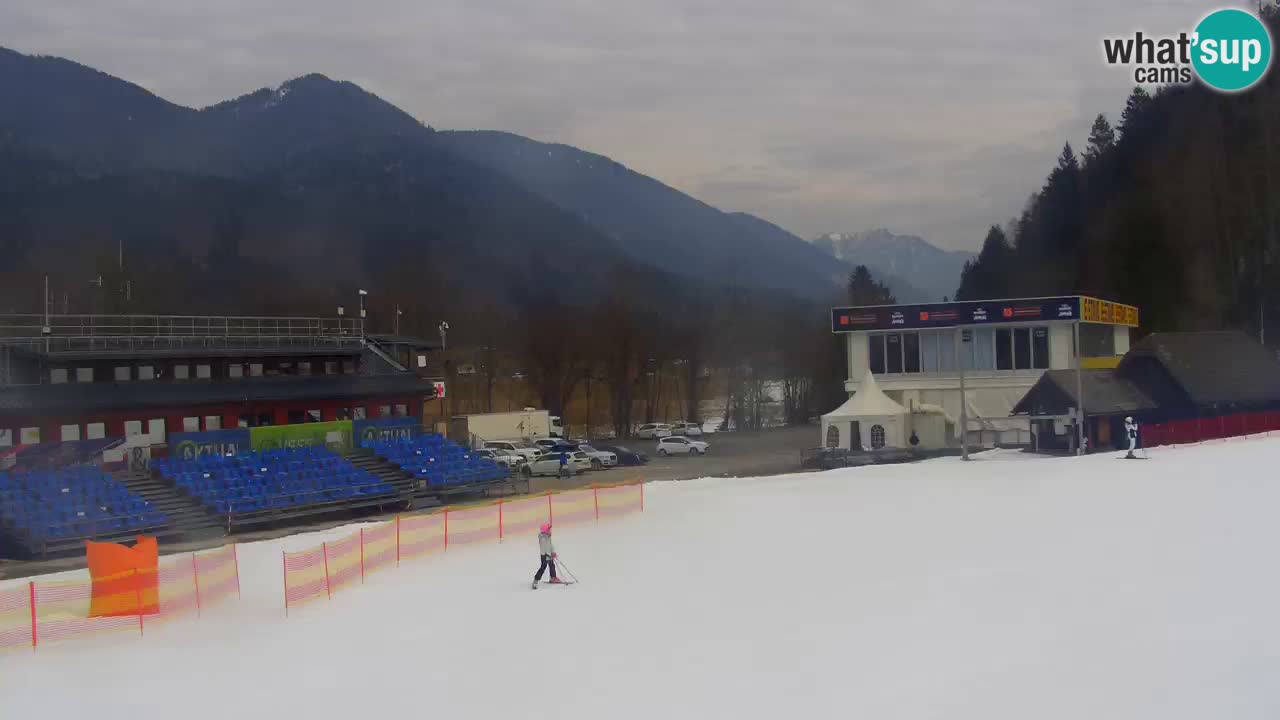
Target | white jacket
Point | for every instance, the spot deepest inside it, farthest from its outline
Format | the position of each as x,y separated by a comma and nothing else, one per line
544,544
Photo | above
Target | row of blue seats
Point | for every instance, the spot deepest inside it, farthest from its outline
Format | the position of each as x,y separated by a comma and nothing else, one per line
72,502
438,461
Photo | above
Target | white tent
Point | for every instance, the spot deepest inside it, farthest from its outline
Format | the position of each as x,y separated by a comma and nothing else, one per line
877,420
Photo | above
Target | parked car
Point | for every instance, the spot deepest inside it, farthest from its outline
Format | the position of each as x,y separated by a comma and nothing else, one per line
600,459
681,446
505,458
626,456
554,445
649,431
518,447
687,429
548,464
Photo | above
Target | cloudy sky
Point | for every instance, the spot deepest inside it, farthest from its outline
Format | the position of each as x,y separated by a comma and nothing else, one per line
933,117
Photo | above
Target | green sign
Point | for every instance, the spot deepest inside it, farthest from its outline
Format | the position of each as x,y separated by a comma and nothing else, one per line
333,435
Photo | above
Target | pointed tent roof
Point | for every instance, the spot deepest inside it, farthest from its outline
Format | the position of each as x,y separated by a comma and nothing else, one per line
870,400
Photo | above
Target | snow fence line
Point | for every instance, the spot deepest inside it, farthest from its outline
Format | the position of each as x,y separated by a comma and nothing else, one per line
1196,430
320,571
41,613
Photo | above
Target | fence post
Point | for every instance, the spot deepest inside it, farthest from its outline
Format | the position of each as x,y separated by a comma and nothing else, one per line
236,557
397,539
324,548
137,593
551,513
642,495
361,556
595,497
446,528
285,561
35,637
500,534
1222,427
195,578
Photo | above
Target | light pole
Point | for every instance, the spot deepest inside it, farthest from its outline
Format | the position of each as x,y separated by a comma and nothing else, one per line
398,314
444,332
362,311
964,404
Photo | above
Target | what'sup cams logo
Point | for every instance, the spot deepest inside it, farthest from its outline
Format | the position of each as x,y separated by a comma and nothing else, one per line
1229,50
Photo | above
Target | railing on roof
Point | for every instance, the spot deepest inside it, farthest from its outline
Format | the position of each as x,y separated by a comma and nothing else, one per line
107,333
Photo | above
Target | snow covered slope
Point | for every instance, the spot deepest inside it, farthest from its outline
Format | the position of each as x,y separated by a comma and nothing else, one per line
1003,588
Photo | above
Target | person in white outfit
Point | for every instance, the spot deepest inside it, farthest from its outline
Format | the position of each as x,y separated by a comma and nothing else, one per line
1131,429
548,552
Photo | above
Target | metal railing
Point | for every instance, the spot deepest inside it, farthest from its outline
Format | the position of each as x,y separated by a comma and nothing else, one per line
106,333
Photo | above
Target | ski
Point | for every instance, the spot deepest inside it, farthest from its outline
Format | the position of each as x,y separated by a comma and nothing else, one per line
562,582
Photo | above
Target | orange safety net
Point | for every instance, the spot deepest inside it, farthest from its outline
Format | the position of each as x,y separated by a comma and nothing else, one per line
125,580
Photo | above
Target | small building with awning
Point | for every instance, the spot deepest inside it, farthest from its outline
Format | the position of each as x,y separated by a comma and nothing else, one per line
1109,398
871,420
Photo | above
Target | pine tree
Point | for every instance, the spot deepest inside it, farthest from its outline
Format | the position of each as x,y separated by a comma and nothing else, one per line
1134,107
864,290
1101,139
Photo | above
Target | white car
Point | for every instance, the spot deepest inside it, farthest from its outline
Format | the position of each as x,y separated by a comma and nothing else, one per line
549,464
600,459
502,457
648,431
687,429
681,446
516,447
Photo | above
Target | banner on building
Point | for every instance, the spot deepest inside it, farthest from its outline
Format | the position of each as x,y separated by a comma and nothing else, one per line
191,445
334,435
386,429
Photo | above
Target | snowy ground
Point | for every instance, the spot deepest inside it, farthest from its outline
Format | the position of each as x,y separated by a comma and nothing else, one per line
1003,588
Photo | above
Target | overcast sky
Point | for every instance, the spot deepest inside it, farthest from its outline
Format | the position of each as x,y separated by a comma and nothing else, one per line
934,118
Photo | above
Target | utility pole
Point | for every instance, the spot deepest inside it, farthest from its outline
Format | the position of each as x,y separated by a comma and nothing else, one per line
1079,393
398,313
964,401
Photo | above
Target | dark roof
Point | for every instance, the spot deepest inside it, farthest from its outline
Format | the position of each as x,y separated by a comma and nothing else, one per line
90,397
416,343
81,356
1214,368
1105,393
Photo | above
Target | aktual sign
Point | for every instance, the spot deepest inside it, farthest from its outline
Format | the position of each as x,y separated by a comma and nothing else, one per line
386,429
191,445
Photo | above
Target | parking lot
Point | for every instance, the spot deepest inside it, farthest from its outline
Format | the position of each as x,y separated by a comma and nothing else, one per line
735,454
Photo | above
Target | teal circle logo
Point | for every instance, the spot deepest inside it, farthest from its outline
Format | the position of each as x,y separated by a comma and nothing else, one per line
1232,50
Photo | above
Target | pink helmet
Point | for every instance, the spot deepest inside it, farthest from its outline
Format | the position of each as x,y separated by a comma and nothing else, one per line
546,528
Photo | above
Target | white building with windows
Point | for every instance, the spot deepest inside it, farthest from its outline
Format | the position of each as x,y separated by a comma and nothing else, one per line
916,355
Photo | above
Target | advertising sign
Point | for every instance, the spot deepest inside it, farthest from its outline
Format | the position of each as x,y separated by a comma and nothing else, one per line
1093,310
386,429
333,435
943,315
191,445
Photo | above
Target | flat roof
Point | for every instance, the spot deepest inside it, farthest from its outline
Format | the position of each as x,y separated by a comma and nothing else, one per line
967,313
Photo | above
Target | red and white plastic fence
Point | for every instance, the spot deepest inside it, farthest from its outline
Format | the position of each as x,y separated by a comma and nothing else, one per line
320,571
41,613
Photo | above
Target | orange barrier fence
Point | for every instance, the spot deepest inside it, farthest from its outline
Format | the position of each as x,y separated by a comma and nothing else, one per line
40,613
320,571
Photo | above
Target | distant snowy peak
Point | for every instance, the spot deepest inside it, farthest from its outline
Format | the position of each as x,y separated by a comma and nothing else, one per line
934,271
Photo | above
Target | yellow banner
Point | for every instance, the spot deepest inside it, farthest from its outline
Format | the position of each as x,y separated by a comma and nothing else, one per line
1093,310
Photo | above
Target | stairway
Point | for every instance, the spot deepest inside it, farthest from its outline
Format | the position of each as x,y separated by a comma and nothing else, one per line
416,497
189,520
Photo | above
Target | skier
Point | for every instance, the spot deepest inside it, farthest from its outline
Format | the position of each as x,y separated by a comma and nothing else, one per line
1131,429
548,552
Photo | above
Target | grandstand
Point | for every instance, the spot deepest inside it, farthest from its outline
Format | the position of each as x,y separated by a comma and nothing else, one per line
256,487
55,510
182,426
442,466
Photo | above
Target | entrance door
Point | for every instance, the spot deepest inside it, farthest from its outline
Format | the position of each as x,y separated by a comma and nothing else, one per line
855,436
1104,433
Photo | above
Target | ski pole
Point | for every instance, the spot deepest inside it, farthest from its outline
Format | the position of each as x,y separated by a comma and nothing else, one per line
566,569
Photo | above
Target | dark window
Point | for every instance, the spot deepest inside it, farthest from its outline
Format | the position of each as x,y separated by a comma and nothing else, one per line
344,413
313,416
893,352
264,419
833,436
1040,348
1004,349
245,421
911,352
297,417
877,437
877,354
1022,348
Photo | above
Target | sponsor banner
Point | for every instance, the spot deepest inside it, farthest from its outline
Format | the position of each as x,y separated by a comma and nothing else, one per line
943,315
333,435
191,445
1093,310
386,429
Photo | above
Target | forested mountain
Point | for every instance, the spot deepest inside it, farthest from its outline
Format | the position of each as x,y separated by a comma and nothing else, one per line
1175,209
322,187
